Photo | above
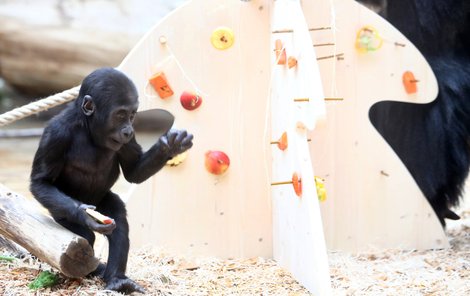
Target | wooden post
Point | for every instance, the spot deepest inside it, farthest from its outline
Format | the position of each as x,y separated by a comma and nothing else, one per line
22,222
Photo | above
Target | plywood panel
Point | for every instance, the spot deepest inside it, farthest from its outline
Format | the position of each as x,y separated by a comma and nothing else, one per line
373,202
189,210
186,208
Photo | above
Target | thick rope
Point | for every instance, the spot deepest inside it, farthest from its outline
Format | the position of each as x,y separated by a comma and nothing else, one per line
38,106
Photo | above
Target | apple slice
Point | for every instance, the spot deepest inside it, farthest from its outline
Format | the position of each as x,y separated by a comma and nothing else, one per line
291,62
297,183
280,52
409,82
178,159
99,217
282,143
222,38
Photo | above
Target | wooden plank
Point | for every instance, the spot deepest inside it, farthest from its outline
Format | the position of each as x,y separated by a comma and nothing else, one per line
297,103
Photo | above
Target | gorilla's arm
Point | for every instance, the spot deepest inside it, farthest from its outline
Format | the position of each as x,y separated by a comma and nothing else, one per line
138,166
47,166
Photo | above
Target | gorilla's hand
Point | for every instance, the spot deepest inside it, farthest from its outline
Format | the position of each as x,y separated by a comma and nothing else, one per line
174,142
91,223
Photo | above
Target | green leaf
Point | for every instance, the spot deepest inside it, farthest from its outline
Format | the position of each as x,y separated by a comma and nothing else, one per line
44,280
7,258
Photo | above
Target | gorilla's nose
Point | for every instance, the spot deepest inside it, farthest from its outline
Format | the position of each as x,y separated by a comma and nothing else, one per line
127,133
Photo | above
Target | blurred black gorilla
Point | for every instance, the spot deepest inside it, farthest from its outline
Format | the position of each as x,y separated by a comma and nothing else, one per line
433,139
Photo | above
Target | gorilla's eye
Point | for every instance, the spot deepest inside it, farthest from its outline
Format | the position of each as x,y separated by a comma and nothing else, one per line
132,116
121,115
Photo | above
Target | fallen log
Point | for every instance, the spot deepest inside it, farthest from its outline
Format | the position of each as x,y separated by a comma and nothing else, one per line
22,222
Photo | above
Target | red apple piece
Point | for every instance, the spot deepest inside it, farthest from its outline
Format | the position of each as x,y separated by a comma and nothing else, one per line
190,100
217,162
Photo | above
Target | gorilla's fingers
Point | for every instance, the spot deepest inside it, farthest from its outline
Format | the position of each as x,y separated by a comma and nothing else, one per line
171,136
180,136
85,206
106,229
163,144
187,141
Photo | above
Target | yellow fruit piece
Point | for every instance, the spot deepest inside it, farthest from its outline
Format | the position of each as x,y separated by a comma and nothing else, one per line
321,191
222,38
178,159
368,39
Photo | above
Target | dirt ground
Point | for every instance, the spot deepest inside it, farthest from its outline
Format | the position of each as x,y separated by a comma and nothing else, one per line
390,272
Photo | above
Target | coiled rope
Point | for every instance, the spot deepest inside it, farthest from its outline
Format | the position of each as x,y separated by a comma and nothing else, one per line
39,106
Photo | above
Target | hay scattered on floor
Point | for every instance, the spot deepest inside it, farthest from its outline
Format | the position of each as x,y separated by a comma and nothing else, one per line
163,274
393,272
209,276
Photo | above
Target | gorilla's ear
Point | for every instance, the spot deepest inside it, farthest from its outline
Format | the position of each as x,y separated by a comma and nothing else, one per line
88,107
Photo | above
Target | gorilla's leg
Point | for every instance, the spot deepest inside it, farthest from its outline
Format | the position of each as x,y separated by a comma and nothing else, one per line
114,274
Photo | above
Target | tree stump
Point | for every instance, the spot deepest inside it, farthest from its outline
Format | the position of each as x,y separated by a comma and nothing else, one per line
22,222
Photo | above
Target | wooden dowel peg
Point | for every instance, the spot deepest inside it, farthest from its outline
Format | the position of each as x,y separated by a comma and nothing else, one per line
290,30
383,173
277,142
334,99
281,183
308,100
338,56
320,29
323,44
414,81
282,31
400,44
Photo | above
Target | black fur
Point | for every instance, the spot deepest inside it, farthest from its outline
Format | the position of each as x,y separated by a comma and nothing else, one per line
433,139
80,156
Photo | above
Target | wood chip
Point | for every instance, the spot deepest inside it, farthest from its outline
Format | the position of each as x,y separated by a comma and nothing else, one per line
391,272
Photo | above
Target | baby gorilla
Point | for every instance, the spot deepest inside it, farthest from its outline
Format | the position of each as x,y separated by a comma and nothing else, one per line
79,159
